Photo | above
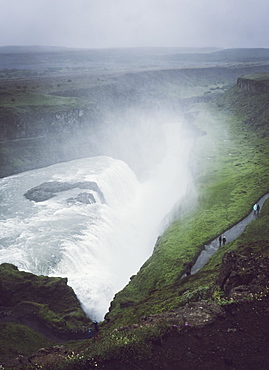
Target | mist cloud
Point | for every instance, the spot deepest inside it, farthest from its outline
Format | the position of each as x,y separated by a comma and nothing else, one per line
126,23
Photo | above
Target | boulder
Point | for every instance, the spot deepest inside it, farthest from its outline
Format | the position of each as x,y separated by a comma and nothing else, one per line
84,198
48,190
194,314
32,299
242,274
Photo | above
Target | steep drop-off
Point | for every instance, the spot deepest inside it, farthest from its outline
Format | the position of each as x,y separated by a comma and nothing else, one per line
49,295
227,188
54,118
258,83
237,174
43,308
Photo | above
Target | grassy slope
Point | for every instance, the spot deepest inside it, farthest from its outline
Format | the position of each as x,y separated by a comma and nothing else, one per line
50,301
258,77
23,102
17,106
233,174
18,339
228,183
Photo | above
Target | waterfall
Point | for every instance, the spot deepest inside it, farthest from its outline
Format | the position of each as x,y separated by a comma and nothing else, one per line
97,246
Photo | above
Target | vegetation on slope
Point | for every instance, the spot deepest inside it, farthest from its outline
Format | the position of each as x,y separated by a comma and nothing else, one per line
18,339
231,174
30,304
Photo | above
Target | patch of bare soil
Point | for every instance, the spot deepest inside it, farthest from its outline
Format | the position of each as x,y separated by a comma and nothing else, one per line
233,337
238,339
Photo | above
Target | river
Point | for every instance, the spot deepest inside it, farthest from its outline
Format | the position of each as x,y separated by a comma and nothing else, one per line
96,246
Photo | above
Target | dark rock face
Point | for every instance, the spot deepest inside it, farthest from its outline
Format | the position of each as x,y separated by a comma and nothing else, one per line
243,275
194,314
48,190
84,198
25,125
24,286
253,85
236,339
25,296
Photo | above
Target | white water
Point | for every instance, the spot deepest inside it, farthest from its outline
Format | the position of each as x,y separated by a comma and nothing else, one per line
96,246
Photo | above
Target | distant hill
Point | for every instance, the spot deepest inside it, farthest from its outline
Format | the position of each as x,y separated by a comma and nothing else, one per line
243,55
224,56
30,49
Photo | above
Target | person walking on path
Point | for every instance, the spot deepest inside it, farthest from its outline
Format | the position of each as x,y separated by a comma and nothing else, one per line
258,209
188,268
255,209
95,325
223,240
220,240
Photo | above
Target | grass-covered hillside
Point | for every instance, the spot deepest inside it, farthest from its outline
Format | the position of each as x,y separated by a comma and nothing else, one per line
36,311
233,175
230,163
53,102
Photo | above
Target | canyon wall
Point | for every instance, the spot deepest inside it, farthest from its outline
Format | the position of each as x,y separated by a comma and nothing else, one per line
253,85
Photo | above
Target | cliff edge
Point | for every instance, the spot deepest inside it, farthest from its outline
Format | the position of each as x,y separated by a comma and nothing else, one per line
257,83
40,308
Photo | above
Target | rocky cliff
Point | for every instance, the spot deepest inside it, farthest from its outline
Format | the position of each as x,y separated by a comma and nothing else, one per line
25,125
46,305
256,84
50,119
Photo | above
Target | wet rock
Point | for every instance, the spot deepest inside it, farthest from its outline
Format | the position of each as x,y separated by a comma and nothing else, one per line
242,275
252,85
49,355
195,314
83,198
48,190
199,314
33,300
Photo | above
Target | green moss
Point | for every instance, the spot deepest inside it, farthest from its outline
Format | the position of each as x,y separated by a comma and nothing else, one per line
232,173
30,287
51,299
128,346
23,102
263,76
248,106
19,340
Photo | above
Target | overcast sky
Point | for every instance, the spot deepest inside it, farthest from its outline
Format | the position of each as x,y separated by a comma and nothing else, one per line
134,23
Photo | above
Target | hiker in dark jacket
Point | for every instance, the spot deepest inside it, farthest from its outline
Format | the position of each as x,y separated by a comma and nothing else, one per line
258,209
188,268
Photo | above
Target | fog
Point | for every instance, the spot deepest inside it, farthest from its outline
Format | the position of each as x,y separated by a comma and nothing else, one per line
125,23
99,246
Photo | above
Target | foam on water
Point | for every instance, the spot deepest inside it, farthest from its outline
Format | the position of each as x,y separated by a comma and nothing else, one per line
97,246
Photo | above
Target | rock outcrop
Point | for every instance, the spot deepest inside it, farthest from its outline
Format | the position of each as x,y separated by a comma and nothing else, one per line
253,85
194,314
33,124
243,275
44,304
48,190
